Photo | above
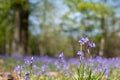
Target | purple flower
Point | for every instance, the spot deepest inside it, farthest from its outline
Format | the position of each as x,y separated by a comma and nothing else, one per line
18,69
98,69
44,68
35,67
107,72
47,74
29,61
61,55
91,44
65,67
80,53
32,58
57,65
68,73
83,40
27,76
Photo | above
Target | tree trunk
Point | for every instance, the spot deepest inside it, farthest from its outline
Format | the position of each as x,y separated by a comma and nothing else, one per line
102,41
7,43
24,31
73,46
16,41
20,41
43,51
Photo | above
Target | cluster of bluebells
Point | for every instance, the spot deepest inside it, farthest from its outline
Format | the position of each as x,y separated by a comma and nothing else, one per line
97,64
30,69
89,44
91,63
62,66
86,66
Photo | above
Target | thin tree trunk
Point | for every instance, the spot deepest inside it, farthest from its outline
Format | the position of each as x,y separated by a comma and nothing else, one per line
43,28
73,46
16,41
102,41
24,31
7,44
41,49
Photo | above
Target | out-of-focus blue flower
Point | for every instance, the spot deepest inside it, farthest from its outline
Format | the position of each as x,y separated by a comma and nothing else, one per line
83,40
18,69
65,67
45,68
80,53
35,68
27,76
91,44
57,65
68,73
107,72
28,61
47,74
61,55
32,58
98,69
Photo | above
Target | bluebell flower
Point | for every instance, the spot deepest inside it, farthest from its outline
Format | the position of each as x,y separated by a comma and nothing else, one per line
83,40
31,60
35,67
61,58
57,65
47,74
28,61
45,68
98,69
107,72
61,55
80,53
91,44
27,76
18,69
65,67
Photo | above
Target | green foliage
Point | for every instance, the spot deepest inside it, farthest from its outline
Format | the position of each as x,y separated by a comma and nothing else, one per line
84,7
84,72
89,12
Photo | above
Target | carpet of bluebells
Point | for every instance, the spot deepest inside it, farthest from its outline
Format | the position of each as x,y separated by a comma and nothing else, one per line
84,67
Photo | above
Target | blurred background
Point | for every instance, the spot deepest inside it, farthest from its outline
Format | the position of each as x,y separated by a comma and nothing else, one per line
47,27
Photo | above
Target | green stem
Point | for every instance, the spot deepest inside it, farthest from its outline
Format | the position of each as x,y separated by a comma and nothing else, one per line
80,47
